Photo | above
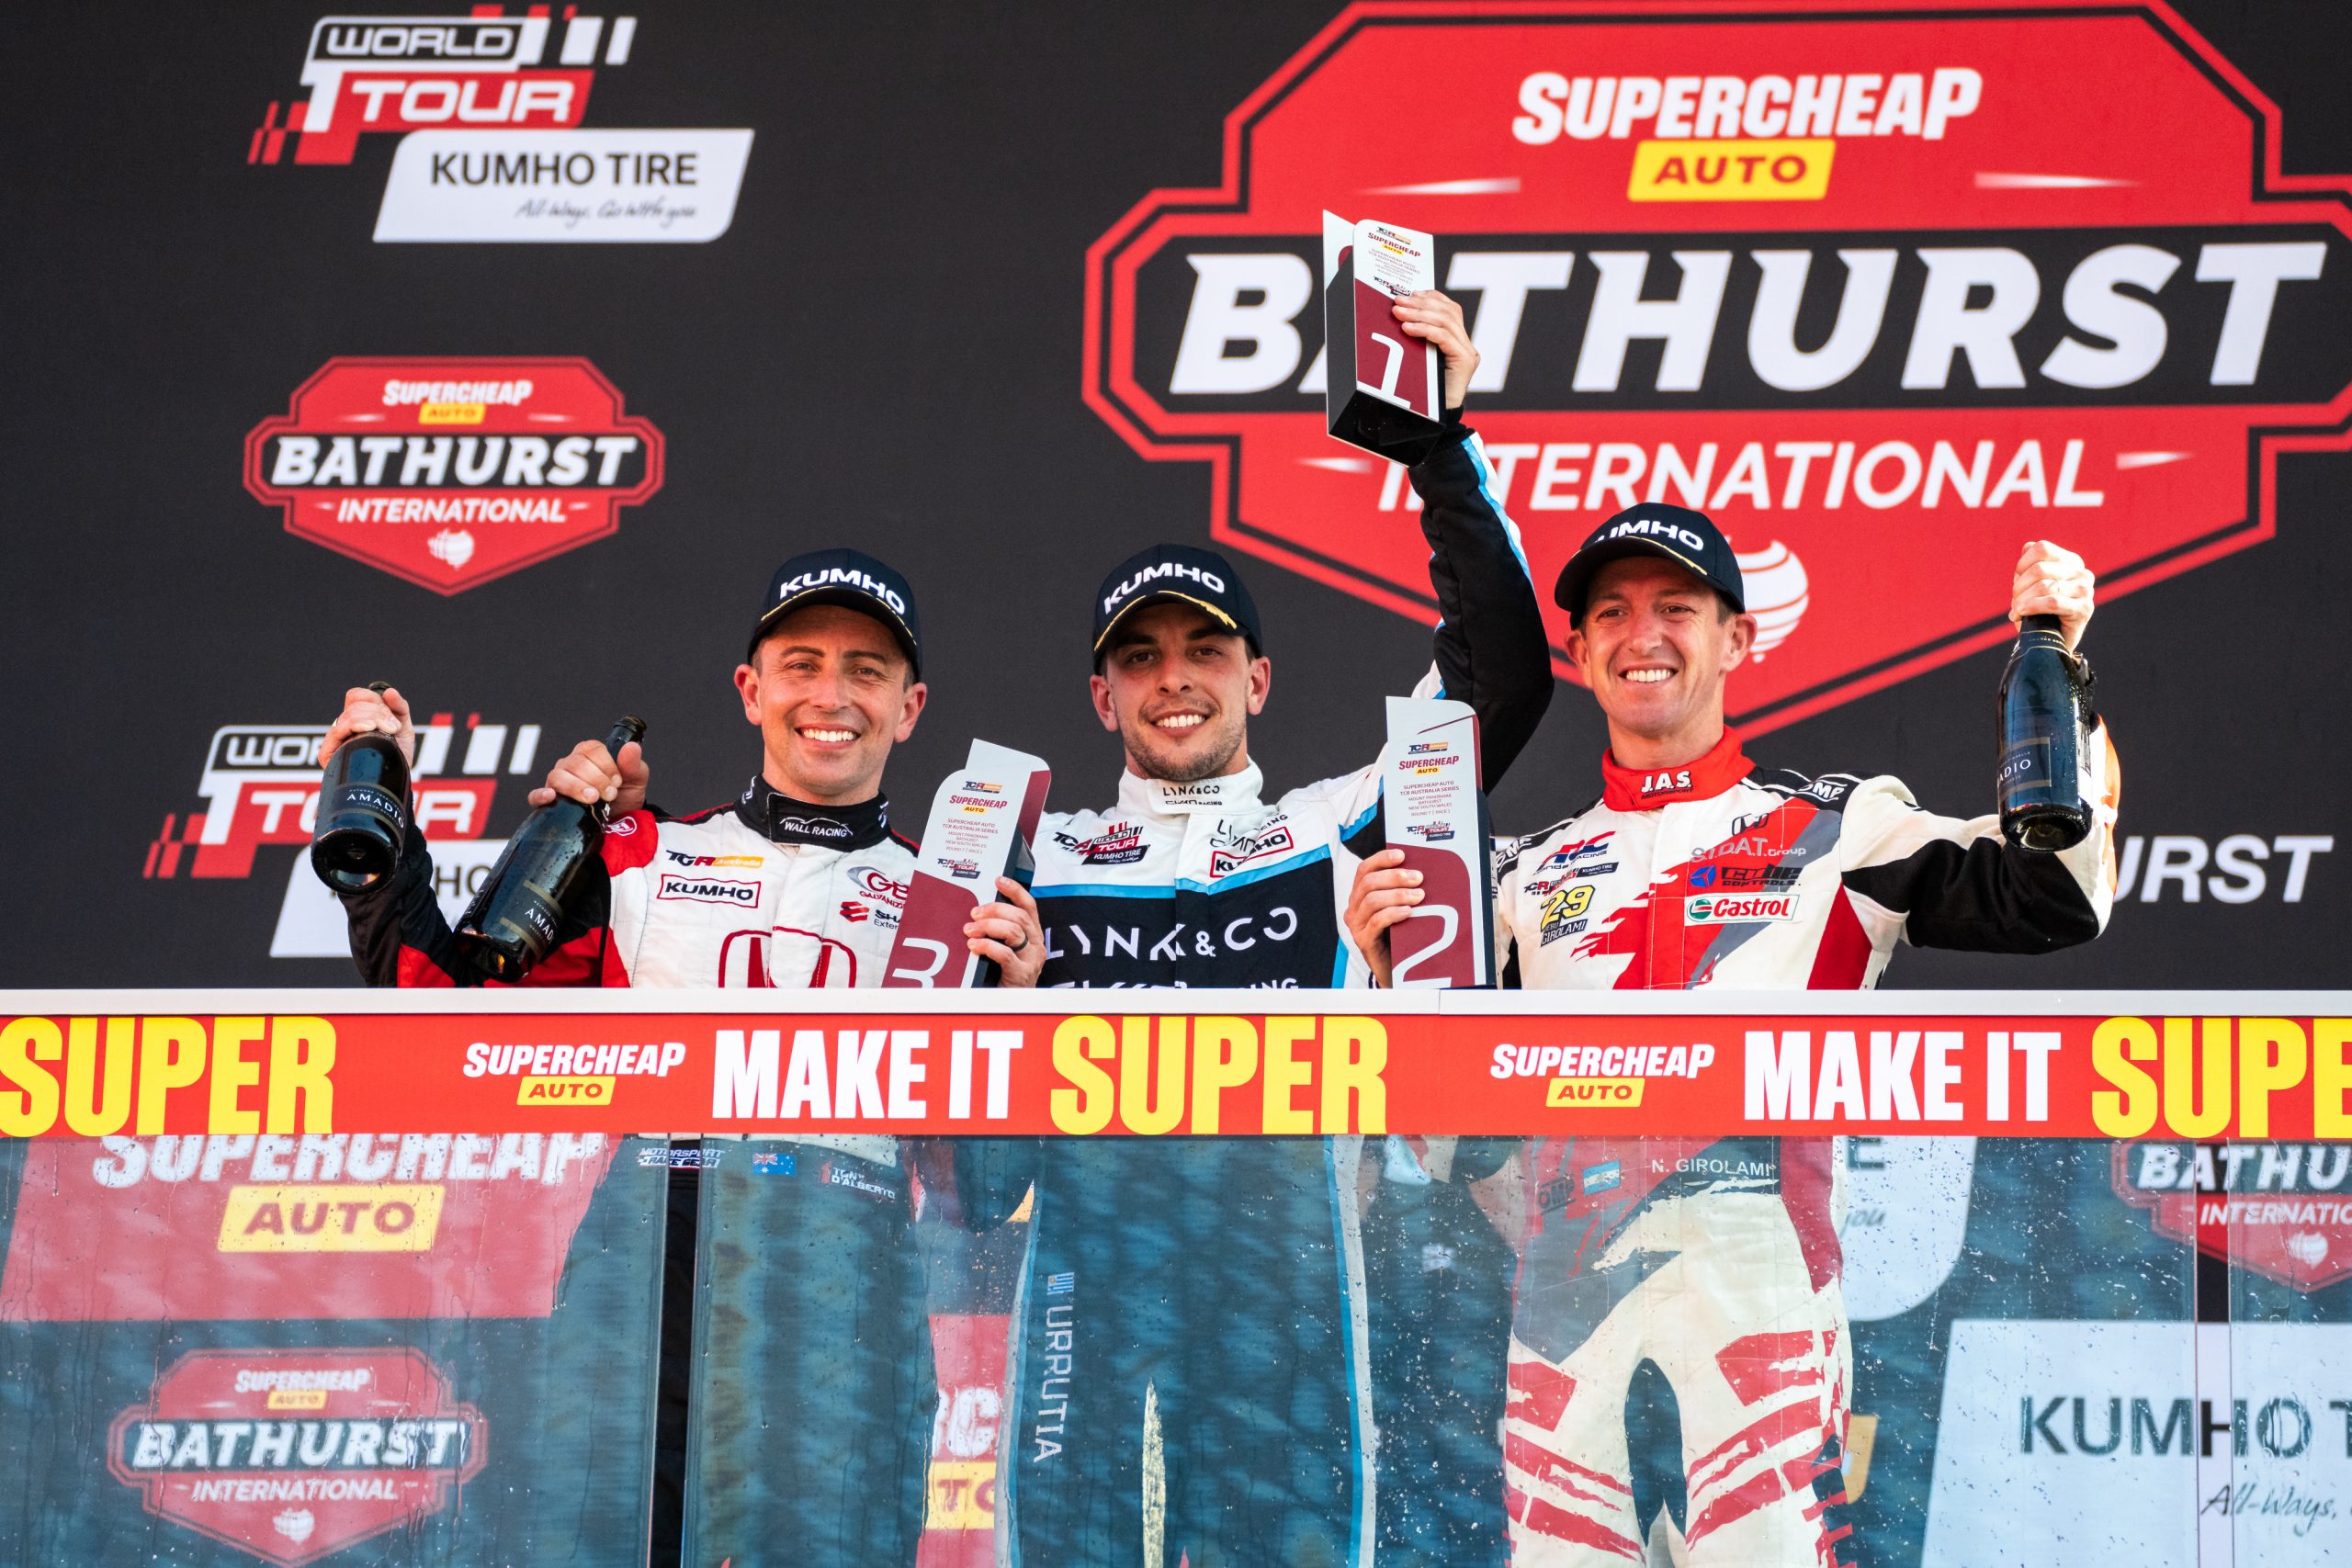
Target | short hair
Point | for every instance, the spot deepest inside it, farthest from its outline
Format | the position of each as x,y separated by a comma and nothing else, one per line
906,665
1725,608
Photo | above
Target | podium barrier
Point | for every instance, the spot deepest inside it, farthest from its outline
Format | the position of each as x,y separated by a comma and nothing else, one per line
375,1277
279,1064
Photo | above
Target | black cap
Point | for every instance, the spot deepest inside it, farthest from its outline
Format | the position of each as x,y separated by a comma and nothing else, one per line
1671,532
1176,574
849,577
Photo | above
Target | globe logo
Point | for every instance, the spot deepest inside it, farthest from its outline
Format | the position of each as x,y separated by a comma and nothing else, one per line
1777,594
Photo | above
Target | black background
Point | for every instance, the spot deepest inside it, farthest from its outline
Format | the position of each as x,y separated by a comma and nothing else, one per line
883,351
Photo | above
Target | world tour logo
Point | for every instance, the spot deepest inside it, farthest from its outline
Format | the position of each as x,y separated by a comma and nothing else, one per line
488,110
1884,294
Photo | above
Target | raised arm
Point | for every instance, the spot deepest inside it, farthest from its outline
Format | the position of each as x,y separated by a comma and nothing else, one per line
1490,648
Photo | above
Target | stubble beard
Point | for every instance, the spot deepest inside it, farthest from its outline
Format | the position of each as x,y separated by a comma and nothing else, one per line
1144,744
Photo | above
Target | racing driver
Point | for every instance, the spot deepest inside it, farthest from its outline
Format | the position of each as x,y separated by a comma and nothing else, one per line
813,1427
1717,1260
1188,1380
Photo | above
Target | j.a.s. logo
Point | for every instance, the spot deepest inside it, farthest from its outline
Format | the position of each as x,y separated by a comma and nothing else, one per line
1884,293
450,472
291,1455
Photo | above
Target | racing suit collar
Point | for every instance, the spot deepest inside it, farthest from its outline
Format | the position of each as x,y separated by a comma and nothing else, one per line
1641,789
1162,798
775,816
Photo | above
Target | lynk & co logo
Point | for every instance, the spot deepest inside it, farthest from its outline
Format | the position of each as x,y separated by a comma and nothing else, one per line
1882,293
488,109
291,1455
451,472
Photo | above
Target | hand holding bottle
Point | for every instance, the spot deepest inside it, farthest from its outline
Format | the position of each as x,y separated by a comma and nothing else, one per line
2052,579
2045,702
371,710
591,775
362,817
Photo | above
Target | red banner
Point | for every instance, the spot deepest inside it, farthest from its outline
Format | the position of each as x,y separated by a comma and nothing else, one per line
284,1067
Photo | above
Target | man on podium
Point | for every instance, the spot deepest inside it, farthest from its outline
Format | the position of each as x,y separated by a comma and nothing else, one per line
1189,1373
812,1449
1717,1260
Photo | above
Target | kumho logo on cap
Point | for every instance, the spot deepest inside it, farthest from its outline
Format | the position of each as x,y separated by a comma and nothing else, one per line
2040,301
842,576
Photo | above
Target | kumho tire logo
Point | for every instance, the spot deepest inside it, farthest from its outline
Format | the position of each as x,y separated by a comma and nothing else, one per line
1884,294
451,472
488,110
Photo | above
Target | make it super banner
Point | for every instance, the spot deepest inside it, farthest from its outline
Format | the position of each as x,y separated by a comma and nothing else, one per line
1200,1063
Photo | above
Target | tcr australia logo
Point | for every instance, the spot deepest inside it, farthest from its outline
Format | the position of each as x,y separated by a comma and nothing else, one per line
1882,292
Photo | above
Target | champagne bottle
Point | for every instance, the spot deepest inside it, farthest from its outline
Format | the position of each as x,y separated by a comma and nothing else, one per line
513,921
2042,693
363,811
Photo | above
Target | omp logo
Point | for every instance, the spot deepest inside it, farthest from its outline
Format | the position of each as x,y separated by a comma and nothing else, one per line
260,785
1727,908
2017,314
378,73
534,456
379,1445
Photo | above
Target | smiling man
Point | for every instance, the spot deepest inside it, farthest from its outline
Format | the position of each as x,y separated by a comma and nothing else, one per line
813,1392
1717,1260
1191,1378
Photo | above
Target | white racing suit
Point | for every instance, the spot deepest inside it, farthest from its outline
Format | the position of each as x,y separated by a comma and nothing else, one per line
812,1391
1717,1260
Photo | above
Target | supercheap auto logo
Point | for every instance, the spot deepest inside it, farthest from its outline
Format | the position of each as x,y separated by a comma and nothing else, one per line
488,109
1882,292
451,472
329,1226
291,1455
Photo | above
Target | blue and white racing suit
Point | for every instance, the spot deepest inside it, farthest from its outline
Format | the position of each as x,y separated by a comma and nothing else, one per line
1189,1379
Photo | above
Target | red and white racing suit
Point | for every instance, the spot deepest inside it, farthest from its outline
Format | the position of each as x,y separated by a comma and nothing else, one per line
813,1390
1717,1259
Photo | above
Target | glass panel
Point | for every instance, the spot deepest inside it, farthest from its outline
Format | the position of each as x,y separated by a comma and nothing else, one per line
367,1351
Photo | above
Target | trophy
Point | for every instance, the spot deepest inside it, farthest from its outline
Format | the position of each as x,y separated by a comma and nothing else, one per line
1435,814
981,823
1381,387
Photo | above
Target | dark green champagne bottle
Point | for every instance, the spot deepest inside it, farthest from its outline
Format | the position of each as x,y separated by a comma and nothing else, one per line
363,811
513,921
2039,784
